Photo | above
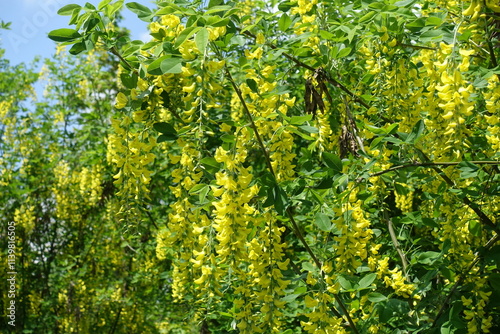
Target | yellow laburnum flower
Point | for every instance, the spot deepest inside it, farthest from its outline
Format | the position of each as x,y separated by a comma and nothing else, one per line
494,5
121,101
189,89
170,20
260,38
310,302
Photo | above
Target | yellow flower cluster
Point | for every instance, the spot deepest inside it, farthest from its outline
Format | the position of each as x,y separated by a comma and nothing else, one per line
130,151
25,217
320,319
168,26
303,7
492,100
355,235
404,202
5,107
75,190
478,321
187,228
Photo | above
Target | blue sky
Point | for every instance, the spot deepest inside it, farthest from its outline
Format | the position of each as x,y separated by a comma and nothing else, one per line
32,20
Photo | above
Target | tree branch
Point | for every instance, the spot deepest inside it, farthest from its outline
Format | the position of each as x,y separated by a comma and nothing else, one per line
328,77
482,216
390,227
430,164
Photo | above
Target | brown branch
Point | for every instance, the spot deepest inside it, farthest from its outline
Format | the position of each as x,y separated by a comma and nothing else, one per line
252,123
430,164
390,227
114,51
331,80
418,47
483,217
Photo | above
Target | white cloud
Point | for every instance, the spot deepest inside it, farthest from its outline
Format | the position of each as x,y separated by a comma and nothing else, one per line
145,36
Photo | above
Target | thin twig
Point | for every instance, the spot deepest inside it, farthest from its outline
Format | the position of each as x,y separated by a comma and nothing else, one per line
390,227
252,123
430,164
418,47
331,80
482,216
114,51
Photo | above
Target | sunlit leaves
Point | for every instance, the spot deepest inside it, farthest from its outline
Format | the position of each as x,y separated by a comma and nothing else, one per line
165,64
143,12
64,35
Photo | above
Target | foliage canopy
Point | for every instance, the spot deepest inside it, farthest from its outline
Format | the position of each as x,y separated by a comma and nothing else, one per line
270,167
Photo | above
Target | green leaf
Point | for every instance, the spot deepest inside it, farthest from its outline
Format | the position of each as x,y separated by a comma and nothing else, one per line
415,133
376,297
77,48
433,21
303,135
374,129
227,138
74,16
299,120
89,6
210,164
344,283
366,281
344,52
214,3
64,35
308,266
218,9
494,279
281,200
113,8
475,228
129,80
166,129
291,297
68,9
428,257
284,22
185,34
333,161
252,84
285,6
164,138
270,198
165,64
468,169
227,315
197,188
143,12
367,17
309,129
323,222
103,4
201,40
432,36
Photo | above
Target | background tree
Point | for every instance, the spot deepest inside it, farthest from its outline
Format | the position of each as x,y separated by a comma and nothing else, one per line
77,269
